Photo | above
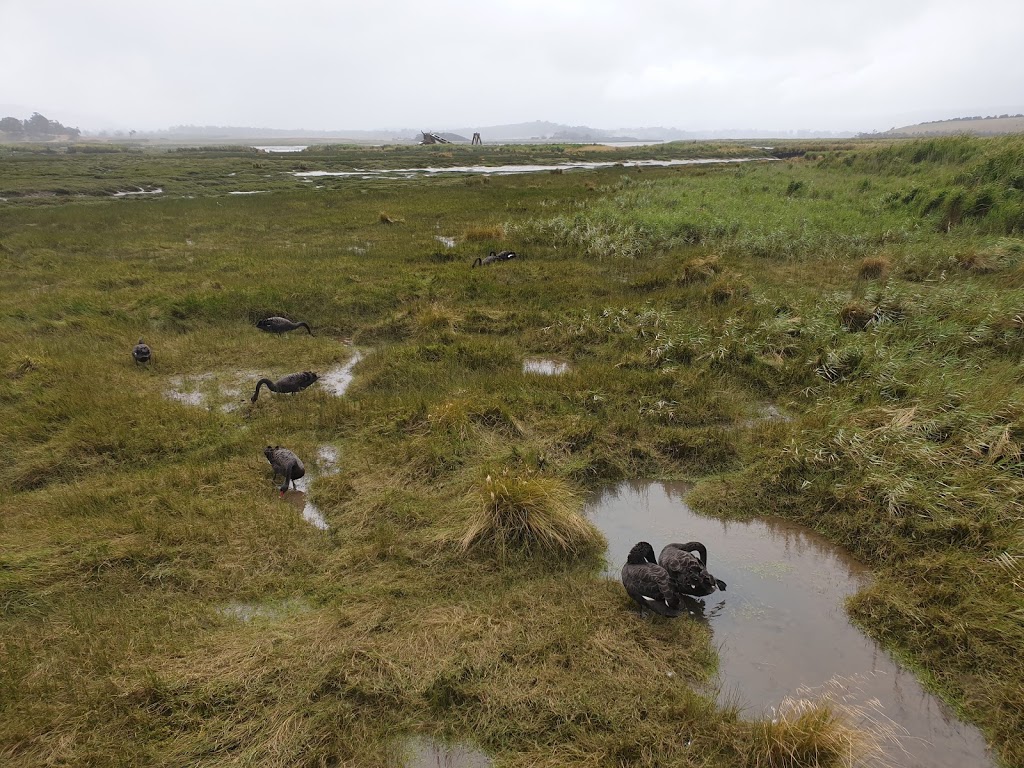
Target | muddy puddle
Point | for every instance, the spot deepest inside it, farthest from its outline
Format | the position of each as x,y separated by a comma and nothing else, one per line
421,752
505,170
326,464
337,379
270,610
781,627
766,412
227,390
544,366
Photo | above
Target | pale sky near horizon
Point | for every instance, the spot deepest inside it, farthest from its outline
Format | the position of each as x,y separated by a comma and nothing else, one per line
688,64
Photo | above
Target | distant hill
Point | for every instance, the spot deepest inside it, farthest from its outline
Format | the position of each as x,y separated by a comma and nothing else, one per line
977,125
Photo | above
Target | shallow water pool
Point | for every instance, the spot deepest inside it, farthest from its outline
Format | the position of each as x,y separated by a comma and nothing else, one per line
781,626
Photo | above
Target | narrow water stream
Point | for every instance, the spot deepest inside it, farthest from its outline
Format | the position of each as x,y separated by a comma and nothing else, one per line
781,625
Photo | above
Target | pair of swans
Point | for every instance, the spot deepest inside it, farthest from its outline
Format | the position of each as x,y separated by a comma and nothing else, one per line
659,584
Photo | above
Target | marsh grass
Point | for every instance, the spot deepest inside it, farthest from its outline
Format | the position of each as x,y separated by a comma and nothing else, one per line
684,300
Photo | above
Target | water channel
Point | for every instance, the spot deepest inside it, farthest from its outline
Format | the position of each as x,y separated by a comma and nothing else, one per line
504,170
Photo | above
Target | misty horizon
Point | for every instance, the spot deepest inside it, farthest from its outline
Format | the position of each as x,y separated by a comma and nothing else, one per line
694,67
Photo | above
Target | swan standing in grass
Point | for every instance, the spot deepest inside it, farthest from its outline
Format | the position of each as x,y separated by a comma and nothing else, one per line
689,573
141,352
281,325
286,464
494,257
648,583
293,382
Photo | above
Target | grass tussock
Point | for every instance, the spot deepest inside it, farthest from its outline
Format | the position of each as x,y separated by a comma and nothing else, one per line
530,514
483,233
874,268
856,316
699,270
822,731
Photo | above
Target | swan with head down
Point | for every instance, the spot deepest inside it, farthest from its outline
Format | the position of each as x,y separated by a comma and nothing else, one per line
281,325
647,583
293,382
688,572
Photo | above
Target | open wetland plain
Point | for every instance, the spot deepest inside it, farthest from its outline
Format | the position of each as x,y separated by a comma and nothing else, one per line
809,361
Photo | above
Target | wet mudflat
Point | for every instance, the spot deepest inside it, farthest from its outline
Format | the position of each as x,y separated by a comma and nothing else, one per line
506,170
781,627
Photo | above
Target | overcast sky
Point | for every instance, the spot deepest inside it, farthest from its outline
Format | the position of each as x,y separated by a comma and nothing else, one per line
331,64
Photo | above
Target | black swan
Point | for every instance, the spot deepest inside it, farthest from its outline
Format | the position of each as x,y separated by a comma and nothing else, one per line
141,352
689,574
285,463
281,325
494,257
293,382
648,583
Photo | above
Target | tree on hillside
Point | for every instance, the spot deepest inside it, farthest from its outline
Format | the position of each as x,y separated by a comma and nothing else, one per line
36,127
12,125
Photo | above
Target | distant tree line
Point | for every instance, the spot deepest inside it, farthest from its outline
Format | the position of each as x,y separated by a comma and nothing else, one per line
975,117
36,127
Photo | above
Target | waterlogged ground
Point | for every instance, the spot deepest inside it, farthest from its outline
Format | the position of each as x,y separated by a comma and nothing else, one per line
545,366
154,583
781,628
225,389
505,170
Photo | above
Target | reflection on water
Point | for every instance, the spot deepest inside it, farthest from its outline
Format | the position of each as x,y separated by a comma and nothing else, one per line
421,752
327,463
281,147
337,379
449,242
299,498
781,625
505,170
544,366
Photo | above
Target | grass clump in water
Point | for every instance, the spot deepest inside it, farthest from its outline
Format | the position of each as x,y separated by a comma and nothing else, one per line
530,514
822,732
